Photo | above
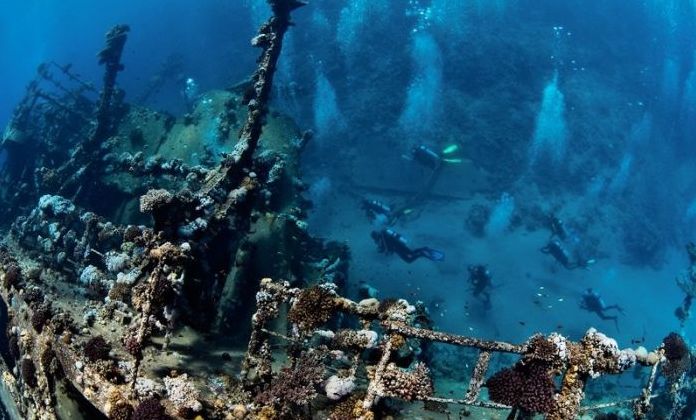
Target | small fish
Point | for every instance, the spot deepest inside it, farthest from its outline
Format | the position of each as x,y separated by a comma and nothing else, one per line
522,323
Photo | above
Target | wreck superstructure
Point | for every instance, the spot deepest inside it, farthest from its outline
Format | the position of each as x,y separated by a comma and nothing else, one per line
136,242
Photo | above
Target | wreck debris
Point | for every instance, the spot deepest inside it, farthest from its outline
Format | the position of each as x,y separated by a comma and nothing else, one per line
100,293
107,300
46,123
290,392
86,157
528,386
477,378
312,307
183,395
270,39
96,348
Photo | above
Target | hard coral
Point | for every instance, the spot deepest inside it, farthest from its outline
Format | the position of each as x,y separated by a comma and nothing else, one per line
47,356
346,409
528,386
675,347
131,233
313,307
132,345
183,395
552,350
295,386
96,348
62,322
415,384
13,345
41,316
162,292
150,409
121,411
119,291
33,296
154,199
338,387
352,339
12,276
677,355
29,373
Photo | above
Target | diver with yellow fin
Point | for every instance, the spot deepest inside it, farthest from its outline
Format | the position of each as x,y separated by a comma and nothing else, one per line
429,158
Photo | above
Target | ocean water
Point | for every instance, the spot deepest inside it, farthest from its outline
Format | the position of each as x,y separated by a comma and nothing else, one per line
535,111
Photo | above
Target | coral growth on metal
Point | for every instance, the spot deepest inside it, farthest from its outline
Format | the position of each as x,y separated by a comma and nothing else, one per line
96,304
526,387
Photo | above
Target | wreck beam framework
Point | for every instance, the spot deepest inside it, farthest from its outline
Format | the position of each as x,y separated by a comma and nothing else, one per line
273,295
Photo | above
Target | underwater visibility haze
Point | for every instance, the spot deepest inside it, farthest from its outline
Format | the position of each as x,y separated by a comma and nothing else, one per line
348,209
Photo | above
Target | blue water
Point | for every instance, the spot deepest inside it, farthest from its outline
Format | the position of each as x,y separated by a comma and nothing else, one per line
581,109
211,36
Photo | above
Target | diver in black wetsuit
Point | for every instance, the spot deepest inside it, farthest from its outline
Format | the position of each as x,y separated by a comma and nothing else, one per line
558,228
558,251
426,157
563,246
593,302
481,282
389,242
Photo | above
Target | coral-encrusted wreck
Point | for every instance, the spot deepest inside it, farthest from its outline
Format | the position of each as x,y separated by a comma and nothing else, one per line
390,328
135,244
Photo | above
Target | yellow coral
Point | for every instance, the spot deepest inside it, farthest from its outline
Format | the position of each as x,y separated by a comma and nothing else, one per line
266,413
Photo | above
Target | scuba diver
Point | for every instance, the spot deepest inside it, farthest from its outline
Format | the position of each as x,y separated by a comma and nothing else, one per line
435,162
558,251
377,211
389,242
561,239
481,282
593,302
426,157
558,228
429,158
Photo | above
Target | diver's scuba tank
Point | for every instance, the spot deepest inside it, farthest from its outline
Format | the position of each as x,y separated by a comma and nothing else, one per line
426,157
556,249
395,237
558,228
375,207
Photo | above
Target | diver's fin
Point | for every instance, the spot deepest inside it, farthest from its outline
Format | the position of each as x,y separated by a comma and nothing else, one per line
450,149
433,254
